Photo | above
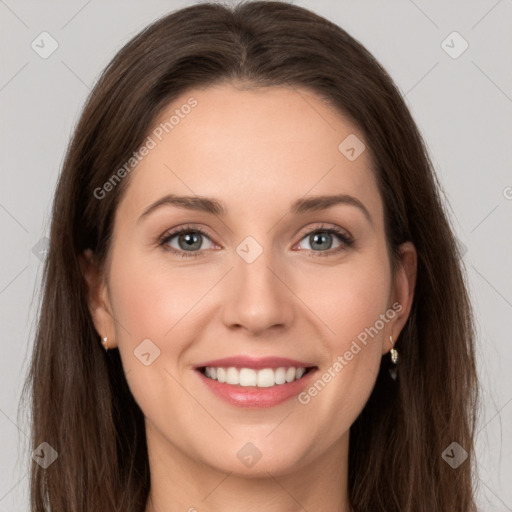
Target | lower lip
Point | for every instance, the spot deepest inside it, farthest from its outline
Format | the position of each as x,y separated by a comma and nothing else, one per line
253,396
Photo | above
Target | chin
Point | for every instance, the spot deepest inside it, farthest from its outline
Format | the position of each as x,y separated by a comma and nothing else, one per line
257,458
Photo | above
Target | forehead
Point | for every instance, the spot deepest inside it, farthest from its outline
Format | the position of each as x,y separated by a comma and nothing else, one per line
254,149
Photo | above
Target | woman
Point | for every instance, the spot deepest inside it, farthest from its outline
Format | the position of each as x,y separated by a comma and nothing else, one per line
245,366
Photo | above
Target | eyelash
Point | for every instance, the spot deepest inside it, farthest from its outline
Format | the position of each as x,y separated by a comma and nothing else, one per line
346,240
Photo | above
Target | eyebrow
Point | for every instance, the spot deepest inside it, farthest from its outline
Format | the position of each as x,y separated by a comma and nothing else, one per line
300,206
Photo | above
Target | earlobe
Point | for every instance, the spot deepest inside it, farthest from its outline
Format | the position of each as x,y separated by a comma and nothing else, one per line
97,296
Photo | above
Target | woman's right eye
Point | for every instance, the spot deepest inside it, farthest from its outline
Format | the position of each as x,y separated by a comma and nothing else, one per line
187,239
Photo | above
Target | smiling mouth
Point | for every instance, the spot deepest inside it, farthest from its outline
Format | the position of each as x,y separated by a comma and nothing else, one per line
262,378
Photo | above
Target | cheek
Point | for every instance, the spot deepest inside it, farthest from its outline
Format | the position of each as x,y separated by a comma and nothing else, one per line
151,297
348,304
347,299
154,302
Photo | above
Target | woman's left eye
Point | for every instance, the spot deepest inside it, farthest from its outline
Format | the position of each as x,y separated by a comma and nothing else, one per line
189,240
323,237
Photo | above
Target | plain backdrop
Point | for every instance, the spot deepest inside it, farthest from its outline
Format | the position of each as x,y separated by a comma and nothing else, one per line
461,99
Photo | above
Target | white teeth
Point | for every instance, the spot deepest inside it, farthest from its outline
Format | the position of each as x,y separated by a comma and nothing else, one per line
232,376
264,378
280,376
248,377
221,374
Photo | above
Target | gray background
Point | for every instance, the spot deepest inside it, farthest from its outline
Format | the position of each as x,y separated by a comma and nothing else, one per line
463,108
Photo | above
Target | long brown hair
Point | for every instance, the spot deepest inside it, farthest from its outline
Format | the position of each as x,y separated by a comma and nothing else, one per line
81,403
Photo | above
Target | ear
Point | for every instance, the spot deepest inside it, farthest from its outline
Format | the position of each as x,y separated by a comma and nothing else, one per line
402,292
97,297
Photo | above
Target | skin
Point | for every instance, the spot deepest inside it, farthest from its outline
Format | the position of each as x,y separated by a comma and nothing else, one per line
257,151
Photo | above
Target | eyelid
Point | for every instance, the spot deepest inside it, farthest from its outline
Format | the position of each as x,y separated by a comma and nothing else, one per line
325,227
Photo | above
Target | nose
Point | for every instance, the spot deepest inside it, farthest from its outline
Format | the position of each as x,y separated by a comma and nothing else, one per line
259,296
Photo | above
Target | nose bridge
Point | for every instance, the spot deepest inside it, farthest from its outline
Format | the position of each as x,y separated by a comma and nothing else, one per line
258,298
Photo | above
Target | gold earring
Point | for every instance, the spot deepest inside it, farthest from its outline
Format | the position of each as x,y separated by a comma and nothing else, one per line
394,359
393,352
104,343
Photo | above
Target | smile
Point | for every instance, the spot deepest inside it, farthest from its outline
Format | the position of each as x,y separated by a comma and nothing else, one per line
262,378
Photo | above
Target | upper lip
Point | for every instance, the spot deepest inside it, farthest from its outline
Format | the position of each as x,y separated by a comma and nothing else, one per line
256,363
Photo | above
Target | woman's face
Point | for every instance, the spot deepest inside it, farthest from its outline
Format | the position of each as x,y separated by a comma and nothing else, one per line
266,280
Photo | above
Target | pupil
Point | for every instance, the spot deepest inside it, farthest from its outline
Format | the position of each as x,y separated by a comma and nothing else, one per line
323,235
191,240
